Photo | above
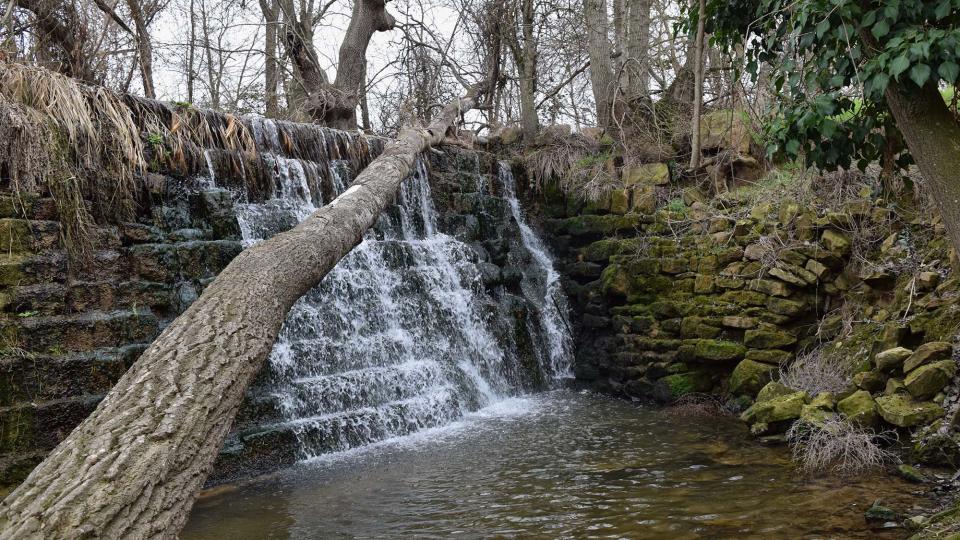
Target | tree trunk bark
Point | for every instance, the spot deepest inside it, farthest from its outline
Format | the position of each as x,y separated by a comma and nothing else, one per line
270,70
638,49
144,48
697,89
598,48
528,78
933,137
134,466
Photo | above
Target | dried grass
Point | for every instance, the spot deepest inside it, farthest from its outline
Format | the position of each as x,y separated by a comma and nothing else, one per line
81,143
698,405
835,446
577,163
817,371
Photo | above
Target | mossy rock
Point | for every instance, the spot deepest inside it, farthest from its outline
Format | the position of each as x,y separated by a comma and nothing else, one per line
714,351
927,381
859,408
681,384
745,298
750,377
902,411
891,359
768,338
777,409
926,353
650,174
772,390
789,308
769,356
836,242
698,327
871,381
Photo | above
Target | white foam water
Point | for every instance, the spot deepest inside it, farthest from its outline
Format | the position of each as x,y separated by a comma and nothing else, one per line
399,337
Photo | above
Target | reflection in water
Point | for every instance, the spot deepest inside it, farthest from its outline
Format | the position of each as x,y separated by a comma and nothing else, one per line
554,465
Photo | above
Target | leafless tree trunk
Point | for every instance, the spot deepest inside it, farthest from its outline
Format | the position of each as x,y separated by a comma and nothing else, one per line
638,48
192,52
134,466
271,104
59,22
144,48
528,76
697,89
601,69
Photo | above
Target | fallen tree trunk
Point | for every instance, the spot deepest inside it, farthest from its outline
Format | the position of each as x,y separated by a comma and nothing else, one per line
133,468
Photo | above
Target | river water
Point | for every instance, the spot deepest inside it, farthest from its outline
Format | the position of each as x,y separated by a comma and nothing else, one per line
554,465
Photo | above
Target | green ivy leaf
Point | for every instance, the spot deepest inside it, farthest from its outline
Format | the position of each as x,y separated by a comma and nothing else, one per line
822,28
919,74
793,147
899,65
949,71
943,9
880,29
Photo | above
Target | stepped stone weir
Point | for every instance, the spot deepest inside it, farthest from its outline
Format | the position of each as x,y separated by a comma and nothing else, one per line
448,305
406,332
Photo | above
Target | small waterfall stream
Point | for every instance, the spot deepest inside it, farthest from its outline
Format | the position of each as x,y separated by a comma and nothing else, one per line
402,335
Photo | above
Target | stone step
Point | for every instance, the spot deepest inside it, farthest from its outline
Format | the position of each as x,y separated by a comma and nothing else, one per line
28,207
42,425
79,296
191,260
53,266
34,378
60,334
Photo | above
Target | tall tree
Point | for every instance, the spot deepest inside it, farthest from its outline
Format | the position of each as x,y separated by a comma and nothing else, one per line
602,75
335,104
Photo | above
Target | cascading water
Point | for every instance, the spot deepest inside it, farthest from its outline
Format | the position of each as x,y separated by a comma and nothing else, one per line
402,334
551,303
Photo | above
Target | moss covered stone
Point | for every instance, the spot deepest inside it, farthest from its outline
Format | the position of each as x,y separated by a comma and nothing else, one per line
749,377
768,338
926,353
926,381
836,242
650,174
902,411
710,350
859,408
891,359
773,389
776,409
769,356
681,384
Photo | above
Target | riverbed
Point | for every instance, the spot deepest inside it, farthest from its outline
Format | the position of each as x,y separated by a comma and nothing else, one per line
561,464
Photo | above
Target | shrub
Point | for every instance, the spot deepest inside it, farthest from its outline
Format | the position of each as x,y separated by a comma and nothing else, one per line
839,447
817,371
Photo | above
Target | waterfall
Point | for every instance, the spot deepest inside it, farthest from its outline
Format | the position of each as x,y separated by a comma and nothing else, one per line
402,334
551,302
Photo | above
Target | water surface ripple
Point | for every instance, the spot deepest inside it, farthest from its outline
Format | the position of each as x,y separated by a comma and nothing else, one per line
554,465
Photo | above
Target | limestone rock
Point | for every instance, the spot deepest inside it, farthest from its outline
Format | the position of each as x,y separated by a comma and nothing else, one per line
768,338
859,408
734,321
927,281
836,242
750,377
895,386
817,268
768,356
926,381
651,174
772,390
902,411
926,353
777,409
871,381
891,359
